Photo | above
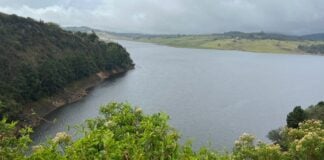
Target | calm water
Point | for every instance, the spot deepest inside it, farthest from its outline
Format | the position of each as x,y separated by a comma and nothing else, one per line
212,96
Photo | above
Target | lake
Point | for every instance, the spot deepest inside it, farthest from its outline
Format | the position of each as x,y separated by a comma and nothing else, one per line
211,95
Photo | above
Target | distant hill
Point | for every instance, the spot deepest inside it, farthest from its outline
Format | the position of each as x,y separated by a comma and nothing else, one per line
232,34
107,35
39,59
317,36
235,40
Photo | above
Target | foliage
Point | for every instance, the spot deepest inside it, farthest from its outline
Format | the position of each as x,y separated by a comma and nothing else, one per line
317,49
125,132
12,147
315,111
38,59
245,148
295,117
279,136
307,142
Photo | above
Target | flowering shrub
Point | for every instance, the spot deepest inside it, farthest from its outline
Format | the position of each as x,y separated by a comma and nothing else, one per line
12,147
245,148
124,132
307,142
62,137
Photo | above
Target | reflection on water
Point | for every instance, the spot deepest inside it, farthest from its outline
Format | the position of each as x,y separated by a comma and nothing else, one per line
212,96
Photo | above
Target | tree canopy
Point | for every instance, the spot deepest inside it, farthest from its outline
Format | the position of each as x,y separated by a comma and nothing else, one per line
38,59
295,117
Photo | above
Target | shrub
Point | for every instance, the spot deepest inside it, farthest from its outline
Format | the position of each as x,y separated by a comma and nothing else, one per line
125,132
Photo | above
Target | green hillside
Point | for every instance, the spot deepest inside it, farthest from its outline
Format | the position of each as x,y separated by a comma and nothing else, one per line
252,42
269,45
39,59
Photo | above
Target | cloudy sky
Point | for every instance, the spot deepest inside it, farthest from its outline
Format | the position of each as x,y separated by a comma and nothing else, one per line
177,16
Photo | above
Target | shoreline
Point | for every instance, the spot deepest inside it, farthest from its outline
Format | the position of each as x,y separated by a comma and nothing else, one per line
240,50
220,49
73,92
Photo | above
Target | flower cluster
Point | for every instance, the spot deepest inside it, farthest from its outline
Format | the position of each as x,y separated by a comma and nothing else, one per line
308,139
245,140
37,148
61,137
138,110
110,123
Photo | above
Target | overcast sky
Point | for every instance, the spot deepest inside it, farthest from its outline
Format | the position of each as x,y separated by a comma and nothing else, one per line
177,16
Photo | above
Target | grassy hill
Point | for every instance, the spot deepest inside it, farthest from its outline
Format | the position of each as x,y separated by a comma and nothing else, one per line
40,59
253,42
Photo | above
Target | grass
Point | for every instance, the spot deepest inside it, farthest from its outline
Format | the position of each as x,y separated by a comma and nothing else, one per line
210,42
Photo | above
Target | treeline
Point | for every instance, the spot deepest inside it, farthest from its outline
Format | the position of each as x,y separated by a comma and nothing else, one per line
125,133
38,59
316,49
258,36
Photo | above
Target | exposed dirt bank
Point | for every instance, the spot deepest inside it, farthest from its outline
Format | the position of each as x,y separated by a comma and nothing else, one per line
37,111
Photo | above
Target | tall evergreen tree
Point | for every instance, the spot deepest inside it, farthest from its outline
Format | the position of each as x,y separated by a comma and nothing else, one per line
295,117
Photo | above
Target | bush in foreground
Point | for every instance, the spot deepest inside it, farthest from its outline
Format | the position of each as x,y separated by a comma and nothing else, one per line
124,132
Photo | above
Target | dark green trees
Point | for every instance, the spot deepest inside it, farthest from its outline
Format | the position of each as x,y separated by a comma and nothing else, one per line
316,111
295,117
299,115
316,49
38,59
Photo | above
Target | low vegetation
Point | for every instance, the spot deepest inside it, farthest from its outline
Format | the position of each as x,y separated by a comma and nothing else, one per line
125,132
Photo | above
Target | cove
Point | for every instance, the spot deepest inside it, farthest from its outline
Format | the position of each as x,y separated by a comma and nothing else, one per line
211,95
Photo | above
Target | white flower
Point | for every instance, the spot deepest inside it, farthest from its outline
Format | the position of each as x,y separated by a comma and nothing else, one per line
37,148
138,110
109,123
61,137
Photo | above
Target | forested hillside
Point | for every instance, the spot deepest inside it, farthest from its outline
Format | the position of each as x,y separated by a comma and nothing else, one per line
38,59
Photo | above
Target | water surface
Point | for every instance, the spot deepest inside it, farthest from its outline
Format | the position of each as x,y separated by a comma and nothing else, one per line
211,95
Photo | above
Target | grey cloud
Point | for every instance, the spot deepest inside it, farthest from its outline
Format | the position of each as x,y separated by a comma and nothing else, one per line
177,16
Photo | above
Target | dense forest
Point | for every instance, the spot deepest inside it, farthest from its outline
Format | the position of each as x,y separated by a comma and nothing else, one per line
38,59
125,132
